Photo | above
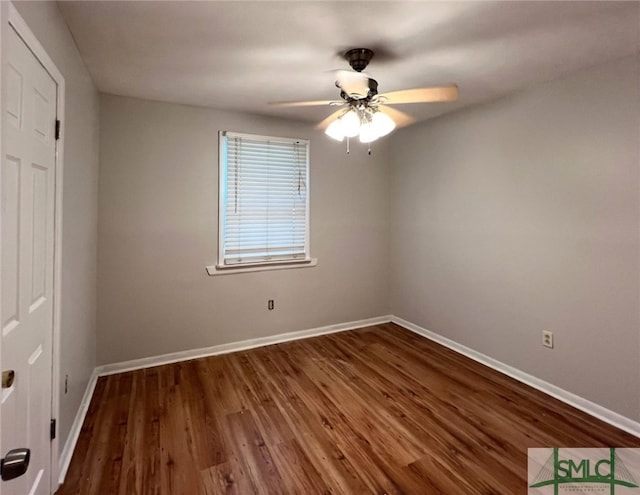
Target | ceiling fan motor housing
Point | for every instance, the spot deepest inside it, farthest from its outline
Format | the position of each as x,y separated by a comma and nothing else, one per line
359,58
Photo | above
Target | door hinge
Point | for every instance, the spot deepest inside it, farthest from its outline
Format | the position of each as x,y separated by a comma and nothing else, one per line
52,430
57,129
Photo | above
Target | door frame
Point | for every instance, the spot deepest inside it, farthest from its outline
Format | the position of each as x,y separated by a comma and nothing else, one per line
10,18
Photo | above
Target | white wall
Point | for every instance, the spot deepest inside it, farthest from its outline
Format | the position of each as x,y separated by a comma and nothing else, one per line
158,230
80,207
522,215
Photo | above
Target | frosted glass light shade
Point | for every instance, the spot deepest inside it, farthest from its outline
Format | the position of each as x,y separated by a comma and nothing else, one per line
368,133
335,130
350,123
382,123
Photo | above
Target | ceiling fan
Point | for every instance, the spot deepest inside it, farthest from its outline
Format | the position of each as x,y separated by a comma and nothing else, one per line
364,112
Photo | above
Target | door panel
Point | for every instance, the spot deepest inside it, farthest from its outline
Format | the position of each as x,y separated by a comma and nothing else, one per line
28,175
10,242
39,236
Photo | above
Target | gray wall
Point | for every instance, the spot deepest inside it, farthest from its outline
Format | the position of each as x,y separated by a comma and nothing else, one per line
523,215
158,230
80,207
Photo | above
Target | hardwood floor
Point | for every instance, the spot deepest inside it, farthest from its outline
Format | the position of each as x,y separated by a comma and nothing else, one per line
372,411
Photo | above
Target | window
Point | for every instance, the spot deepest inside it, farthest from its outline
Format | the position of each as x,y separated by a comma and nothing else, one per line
264,200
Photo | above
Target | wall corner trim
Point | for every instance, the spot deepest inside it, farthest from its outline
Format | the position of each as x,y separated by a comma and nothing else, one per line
76,427
585,405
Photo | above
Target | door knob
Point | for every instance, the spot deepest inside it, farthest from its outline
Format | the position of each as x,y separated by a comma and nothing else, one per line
14,464
7,378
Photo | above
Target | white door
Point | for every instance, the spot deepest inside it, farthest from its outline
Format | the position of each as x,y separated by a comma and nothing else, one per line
28,188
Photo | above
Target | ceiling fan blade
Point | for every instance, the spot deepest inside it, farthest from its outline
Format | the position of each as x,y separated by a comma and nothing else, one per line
309,103
325,123
400,118
421,95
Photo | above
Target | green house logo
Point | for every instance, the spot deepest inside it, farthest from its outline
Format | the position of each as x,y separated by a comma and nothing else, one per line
585,471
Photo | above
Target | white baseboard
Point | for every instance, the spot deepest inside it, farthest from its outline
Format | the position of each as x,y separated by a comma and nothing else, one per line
174,357
70,445
591,408
136,364
576,401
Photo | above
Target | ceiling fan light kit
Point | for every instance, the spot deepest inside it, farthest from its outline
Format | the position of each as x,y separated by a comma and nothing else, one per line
368,114
365,122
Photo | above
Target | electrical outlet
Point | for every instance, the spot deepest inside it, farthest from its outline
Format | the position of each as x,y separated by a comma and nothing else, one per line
547,339
271,304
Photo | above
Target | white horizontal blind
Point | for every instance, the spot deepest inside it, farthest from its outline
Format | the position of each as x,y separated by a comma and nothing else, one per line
263,199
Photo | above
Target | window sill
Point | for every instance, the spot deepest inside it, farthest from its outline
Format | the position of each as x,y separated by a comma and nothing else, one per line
214,270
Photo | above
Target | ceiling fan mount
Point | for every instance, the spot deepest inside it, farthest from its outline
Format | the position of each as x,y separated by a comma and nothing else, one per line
359,58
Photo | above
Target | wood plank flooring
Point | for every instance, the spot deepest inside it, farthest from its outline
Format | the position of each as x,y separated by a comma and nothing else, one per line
372,411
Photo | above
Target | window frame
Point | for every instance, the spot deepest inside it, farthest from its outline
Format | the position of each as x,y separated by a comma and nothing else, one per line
221,266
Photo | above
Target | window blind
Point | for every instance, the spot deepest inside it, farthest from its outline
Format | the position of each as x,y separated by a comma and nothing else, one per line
263,199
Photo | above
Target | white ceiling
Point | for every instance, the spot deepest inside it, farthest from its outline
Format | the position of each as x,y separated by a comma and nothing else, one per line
241,55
